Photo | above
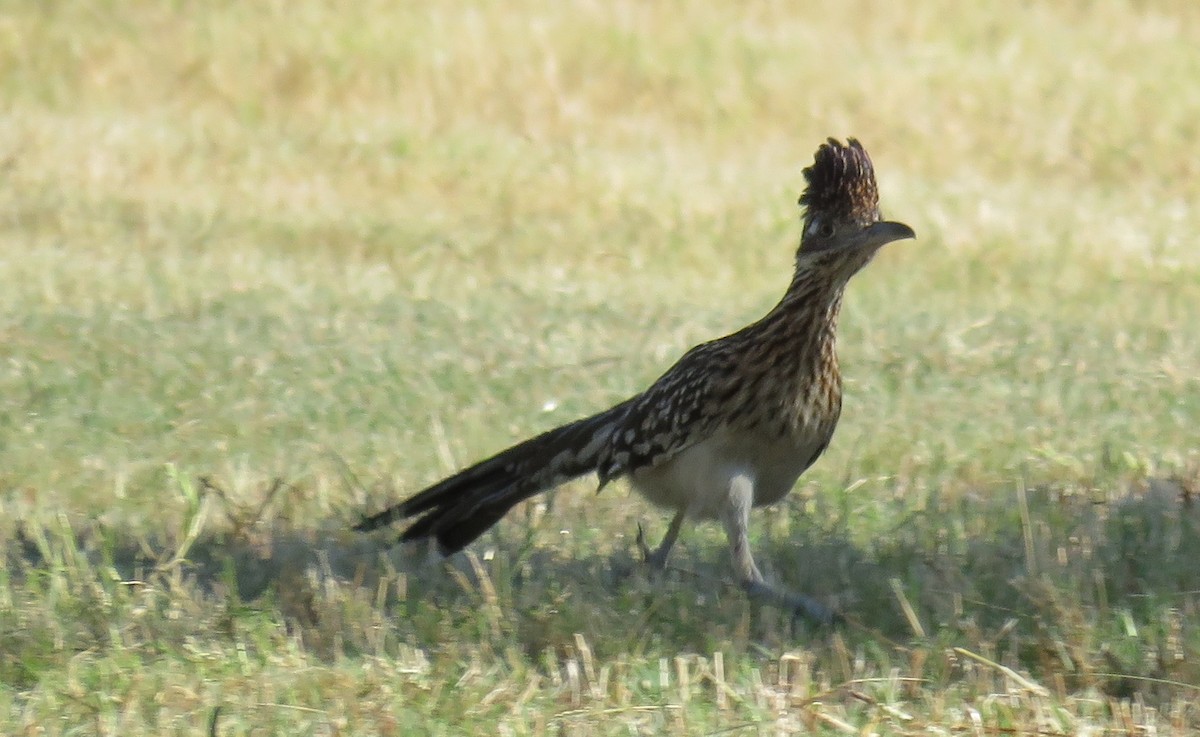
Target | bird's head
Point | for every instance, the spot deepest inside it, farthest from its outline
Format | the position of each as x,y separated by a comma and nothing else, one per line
842,226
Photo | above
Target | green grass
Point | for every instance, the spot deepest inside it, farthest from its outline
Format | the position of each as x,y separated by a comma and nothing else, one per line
268,266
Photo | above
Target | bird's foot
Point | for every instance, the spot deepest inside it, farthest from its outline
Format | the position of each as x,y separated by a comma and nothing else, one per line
654,559
801,606
804,607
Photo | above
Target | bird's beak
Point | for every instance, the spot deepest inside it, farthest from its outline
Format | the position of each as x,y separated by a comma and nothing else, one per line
886,231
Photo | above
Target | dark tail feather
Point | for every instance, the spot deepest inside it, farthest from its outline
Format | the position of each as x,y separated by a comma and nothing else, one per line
462,507
454,532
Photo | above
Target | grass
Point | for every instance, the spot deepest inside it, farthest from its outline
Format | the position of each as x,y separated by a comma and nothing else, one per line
268,266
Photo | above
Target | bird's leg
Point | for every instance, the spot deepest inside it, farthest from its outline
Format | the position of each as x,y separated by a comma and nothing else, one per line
657,559
736,518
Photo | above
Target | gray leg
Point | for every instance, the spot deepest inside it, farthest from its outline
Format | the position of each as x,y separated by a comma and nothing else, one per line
657,559
737,520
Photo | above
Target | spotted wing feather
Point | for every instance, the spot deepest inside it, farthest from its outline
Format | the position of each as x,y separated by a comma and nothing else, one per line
672,415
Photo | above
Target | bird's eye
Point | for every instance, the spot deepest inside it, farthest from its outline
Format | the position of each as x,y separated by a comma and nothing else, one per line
820,228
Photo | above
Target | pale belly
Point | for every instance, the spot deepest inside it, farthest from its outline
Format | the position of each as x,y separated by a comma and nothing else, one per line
697,480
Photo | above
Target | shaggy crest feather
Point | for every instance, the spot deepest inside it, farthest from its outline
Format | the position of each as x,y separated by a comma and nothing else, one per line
841,183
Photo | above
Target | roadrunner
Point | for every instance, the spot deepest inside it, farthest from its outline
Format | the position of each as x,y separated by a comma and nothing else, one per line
729,427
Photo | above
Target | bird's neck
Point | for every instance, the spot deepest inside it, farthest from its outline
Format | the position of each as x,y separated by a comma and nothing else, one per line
812,304
803,325
796,345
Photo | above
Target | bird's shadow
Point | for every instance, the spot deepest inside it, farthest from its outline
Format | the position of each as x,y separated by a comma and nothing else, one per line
978,563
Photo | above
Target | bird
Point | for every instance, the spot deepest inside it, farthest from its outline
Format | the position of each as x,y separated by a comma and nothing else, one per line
729,427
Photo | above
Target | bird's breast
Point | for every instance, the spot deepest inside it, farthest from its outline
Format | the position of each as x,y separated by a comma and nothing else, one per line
697,479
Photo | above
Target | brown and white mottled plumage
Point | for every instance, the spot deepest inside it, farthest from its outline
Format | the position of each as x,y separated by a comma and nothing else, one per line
730,426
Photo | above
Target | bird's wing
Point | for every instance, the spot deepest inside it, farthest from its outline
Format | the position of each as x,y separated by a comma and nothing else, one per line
672,415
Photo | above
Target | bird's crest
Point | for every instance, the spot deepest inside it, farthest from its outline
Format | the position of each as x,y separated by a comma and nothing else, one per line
841,183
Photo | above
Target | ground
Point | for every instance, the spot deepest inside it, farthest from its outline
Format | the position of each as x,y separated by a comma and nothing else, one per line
269,266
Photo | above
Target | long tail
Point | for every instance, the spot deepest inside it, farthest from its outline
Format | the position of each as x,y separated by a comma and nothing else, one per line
462,507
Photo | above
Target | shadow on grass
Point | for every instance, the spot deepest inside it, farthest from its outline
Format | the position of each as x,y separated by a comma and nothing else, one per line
1061,583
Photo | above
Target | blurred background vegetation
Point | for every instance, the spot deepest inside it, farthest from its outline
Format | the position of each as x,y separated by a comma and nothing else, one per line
352,246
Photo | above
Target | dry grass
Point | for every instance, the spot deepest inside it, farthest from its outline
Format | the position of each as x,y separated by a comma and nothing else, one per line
352,246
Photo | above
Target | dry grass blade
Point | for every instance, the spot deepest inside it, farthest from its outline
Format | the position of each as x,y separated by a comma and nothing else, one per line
910,614
1020,681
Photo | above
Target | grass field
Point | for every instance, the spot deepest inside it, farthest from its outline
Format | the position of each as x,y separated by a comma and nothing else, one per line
266,266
